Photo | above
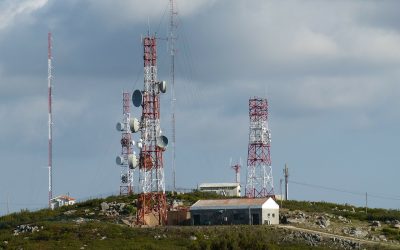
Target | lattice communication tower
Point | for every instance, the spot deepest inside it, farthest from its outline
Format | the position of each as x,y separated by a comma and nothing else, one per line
152,144
259,170
127,160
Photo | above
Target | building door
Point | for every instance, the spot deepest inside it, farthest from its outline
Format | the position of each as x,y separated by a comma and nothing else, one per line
255,219
196,219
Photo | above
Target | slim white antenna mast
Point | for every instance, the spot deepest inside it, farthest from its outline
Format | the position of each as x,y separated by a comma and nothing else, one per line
49,82
171,39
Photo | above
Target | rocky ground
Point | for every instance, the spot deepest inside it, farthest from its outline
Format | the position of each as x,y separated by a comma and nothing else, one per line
315,239
339,225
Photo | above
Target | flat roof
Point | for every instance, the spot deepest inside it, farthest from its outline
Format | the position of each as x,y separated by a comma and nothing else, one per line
214,185
234,204
65,197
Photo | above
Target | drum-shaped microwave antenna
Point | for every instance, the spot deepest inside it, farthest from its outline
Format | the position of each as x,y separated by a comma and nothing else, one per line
137,98
132,161
162,141
121,126
135,125
162,86
120,160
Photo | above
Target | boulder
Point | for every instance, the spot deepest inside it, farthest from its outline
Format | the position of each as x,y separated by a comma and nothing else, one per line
375,223
382,237
69,212
25,229
104,206
356,232
323,222
343,219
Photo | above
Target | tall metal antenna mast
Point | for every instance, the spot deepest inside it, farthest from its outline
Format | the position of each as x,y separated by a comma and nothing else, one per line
259,169
49,82
127,160
236,167
152,201
286,173
171,39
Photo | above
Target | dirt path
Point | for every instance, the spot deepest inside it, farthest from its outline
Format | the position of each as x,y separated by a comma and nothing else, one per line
389,245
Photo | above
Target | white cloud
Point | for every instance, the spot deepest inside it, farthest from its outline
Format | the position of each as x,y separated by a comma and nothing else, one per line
374,45
11,9
122,11
307,43
26,119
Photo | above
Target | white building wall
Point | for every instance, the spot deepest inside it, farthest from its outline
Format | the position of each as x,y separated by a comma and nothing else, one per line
270,216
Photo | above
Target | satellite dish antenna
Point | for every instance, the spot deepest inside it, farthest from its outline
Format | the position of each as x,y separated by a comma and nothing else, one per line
162,141
132,161
162,86
135,125
137,98
120,160
120,126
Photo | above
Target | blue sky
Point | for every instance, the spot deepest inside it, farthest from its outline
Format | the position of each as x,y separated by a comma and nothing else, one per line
330,69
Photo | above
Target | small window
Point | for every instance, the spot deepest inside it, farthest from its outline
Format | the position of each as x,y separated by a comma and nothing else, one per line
273,215
269,215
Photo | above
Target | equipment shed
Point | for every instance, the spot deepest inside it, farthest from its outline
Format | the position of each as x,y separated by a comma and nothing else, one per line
235,211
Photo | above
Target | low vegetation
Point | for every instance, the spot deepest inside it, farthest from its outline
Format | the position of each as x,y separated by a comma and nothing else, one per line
83,226
346,210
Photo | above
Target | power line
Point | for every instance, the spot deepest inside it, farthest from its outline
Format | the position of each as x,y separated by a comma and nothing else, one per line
346,191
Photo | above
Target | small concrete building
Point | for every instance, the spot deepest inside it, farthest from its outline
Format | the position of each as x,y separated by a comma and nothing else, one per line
235,211
62,200
225,189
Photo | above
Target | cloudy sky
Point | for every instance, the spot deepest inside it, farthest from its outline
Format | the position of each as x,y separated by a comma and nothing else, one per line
330,70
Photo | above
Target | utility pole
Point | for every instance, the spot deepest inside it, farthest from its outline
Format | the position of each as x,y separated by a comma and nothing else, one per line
8,207
366,203
280,182
286,173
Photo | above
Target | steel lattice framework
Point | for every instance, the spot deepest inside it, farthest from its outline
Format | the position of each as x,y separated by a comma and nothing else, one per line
259,169
126,186
152,200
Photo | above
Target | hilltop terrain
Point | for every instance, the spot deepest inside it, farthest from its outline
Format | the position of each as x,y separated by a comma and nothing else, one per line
108,224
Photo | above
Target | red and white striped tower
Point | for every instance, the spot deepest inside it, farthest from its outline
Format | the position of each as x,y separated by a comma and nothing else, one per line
237,168
259,169
127,160
49,83
152,200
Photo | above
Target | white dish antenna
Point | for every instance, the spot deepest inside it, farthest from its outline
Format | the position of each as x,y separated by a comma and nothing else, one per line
135,125
120,160
132,161
162,141
162,86
121,126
